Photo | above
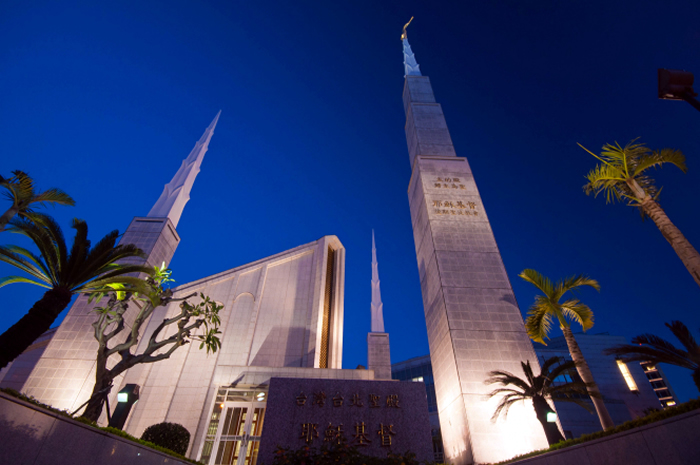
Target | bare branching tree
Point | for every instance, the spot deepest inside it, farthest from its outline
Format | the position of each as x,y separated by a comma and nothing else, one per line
194,322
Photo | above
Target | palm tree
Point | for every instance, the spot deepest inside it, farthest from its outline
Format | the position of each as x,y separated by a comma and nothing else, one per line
19,189
538,389
650,348
622,176
81,270
547,307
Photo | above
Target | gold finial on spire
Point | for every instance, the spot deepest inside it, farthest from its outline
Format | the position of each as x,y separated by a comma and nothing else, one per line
403,34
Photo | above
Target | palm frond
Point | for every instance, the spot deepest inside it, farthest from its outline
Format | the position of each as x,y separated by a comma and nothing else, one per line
19,279
661,352
578,312
53,196
504,406
24,261
658,157
574,282
539,320
505,378
557,363
606,179
682,333
540,281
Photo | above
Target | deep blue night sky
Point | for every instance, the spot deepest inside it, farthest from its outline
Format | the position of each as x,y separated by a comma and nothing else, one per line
105,99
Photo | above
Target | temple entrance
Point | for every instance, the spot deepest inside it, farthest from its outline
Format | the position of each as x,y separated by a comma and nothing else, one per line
233,437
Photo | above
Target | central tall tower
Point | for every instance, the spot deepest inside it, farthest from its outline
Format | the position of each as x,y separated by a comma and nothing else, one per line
474,324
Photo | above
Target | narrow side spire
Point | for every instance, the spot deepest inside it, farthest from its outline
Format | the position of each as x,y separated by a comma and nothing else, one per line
377,305
176,193
410,65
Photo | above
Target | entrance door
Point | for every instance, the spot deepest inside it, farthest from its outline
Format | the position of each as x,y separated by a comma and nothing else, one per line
238,436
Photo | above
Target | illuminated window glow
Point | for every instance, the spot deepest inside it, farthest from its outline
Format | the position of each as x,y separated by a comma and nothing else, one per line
627,375
670,403
419,379
551,417
123,397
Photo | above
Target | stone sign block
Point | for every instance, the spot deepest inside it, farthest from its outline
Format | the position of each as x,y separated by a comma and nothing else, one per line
376,416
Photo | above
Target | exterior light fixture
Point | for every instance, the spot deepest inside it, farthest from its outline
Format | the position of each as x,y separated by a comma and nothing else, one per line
260,396
126,399
551,417
627,375
676,84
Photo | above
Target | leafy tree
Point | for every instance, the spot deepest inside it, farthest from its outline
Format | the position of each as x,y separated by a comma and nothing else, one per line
182,326
623,176
538,389
19,189
82,269
548,307
650,348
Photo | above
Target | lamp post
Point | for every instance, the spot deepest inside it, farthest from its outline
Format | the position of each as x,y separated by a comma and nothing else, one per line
676,84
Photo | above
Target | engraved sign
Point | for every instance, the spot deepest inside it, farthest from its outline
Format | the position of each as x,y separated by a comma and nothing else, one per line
375,416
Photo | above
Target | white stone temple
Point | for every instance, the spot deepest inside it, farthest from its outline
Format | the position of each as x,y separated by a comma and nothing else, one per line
474,323
282,317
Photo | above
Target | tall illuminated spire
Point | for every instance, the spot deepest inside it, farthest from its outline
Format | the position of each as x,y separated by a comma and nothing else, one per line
410,64
377,305
176,193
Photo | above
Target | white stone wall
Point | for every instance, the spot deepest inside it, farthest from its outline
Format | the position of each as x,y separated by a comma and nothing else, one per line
270,324
378,355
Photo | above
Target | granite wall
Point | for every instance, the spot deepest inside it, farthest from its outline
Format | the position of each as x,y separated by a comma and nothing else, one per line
33,436
376,416
673,441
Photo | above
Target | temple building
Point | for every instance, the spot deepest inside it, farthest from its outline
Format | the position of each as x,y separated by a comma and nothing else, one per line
282,318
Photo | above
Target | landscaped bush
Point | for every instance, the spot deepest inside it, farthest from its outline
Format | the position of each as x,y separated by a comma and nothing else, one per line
169,435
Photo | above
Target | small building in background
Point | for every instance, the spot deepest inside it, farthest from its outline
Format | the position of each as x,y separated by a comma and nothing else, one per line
624,386
419,369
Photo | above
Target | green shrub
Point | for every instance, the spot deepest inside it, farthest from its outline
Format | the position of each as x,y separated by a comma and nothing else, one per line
169,435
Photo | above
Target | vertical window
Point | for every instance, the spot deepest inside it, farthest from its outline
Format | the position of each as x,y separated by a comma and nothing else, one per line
627,375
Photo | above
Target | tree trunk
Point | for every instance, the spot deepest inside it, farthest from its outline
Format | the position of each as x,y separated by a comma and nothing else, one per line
685,251
550,429
696,378
32,325
7,216
587,377
103,379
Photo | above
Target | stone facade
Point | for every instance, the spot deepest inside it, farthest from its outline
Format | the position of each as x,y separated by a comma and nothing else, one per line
474,323
281,314
378,355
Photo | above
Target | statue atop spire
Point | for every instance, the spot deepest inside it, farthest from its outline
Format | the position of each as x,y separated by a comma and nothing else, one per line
177,192
410,64
377,305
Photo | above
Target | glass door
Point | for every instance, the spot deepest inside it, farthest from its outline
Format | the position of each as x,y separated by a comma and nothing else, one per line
238,433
